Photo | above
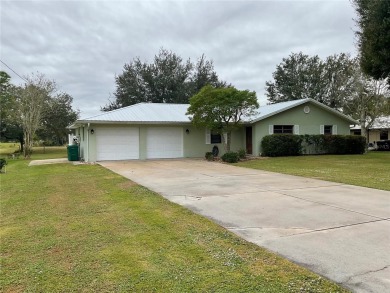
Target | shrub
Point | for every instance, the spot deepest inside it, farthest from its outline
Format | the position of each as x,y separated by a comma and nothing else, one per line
344,144
277,145
241,153
209,156
230,157
3,162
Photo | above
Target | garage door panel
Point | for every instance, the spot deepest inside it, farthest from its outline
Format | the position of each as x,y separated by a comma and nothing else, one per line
117,143
164,142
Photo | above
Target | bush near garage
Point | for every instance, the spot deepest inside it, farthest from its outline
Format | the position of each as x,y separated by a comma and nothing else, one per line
241,153
230,157
209,156
277,145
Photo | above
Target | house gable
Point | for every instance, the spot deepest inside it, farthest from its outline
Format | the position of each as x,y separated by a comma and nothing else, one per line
304,121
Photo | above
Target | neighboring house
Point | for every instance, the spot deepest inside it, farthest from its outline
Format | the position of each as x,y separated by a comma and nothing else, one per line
149,131
379,130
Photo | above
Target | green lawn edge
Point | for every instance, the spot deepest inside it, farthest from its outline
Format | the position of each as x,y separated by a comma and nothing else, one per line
67,228
368,170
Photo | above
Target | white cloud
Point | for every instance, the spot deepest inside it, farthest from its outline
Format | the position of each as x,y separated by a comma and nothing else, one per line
84,44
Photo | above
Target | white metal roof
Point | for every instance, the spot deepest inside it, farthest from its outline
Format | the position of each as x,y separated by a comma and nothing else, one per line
144,112
176,113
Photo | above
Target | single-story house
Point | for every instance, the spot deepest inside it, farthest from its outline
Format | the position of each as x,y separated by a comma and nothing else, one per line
150,131
379,130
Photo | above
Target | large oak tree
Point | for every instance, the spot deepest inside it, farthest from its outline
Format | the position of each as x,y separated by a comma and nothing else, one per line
301,76
168,79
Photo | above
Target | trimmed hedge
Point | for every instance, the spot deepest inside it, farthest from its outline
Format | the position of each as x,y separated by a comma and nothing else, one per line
277,145
230,157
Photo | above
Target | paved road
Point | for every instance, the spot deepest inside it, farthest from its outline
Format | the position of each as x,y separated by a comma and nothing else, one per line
336,230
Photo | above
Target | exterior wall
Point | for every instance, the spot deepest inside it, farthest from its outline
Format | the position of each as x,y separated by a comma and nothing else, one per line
374,135
308,123
194,143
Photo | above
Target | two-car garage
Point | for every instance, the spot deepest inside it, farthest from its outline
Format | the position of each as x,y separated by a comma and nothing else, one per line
127,143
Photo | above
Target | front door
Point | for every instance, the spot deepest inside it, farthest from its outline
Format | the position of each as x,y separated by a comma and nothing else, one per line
249,140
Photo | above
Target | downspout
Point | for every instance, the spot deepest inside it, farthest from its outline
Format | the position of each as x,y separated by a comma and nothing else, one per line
87,156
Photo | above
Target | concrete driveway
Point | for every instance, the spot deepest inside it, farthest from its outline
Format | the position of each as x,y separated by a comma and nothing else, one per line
339,231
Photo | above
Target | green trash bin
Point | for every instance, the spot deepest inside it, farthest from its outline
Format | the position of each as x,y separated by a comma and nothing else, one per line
73,152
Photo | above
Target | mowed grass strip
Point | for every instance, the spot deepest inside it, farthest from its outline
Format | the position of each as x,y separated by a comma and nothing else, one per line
67,228
367,170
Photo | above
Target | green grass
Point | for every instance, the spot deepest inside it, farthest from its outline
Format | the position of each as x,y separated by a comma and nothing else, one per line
8,148
368,170
67,228
38,152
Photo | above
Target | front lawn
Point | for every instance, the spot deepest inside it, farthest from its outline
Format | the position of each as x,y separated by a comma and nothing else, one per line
41,152
67,228
368,170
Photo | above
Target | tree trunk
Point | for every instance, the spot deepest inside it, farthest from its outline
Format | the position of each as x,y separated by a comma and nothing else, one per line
27,145
363,126
21,141
228,140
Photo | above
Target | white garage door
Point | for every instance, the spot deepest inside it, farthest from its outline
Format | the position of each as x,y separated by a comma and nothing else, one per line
164,142
117,143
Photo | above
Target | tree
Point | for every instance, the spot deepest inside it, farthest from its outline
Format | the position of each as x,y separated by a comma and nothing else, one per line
337,82
221,109
370,100
297,77
31,100
56,116
300,76
374,37
11,128
168,79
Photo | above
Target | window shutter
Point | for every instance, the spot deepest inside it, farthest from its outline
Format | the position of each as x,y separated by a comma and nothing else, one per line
208,136
270,129
225,137
334,129
322,131
296,129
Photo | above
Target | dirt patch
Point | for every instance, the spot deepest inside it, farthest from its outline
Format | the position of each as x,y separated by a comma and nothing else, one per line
127,184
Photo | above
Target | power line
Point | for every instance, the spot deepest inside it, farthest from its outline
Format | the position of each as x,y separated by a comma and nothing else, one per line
13,71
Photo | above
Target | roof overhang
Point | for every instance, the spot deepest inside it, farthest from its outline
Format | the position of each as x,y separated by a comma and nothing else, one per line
83,123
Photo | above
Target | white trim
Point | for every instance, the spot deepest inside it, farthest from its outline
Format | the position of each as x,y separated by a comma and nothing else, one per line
334,129
296,129
270,129
322,129
225,138
208,136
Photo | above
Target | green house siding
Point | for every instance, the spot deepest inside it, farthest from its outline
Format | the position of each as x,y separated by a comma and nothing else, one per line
309,123
194,142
